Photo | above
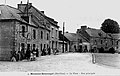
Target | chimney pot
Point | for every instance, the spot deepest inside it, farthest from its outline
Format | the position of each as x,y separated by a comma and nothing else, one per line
21,2
42,12
84,27
60,32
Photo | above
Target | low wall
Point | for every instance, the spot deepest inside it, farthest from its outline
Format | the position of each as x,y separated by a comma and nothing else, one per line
107,59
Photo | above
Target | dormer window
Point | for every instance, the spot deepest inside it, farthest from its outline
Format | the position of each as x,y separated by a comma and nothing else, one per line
34,34
100,34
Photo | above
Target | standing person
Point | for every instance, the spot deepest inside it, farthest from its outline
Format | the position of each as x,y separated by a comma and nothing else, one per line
49,51
33,53
75,49
37,52
28,52
85,50
44,51
19,55
93,55
33,50
22,54
93,58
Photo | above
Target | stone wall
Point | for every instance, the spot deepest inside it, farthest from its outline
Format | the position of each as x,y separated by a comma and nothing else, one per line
6,39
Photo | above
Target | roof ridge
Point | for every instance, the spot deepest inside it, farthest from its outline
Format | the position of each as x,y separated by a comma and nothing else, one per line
2,4
84,37
94,29
10,12
14,8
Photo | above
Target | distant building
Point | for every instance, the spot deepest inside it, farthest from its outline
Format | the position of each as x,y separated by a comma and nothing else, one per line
66,43
116,41
54,33
97,38
76,42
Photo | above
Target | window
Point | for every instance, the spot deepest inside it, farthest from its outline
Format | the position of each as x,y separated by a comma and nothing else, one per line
23,31
44,45
56,33
47,46
112,42
28,46
80,40
56,44
41,34
47,36
52,32
34,34
41,47
117,42
33,45
101,41
22,47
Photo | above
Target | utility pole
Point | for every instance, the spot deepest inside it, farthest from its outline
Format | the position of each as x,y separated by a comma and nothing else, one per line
63,35
27,6
5,2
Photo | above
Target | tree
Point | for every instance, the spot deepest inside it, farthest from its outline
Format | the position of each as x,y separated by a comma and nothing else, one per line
110,26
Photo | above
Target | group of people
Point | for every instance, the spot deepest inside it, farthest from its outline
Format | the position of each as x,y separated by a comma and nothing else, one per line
21,55
48,51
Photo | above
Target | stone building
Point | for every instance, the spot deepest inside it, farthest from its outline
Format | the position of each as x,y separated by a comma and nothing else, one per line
75,41
37,18
54,33
116,41
25,26
48,28
66,43
97,38
14,31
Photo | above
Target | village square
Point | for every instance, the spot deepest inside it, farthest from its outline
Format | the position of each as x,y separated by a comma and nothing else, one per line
31,41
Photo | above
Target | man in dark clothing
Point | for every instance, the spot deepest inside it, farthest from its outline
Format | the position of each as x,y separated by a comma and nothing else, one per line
14,56
49,51
37,52
22,54
33,50
43,52
28,52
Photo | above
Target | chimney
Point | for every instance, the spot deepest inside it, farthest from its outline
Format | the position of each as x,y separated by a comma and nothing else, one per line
78,30
60,32
83,28
21,2
22,6
30,4
42,12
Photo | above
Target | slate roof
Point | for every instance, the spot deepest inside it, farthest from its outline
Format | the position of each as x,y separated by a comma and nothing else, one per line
115,36
52,21
38,17
71,36
41,17
74,37
96,33
8,12
61,38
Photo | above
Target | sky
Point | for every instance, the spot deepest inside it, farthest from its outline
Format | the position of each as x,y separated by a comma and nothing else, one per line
75,13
